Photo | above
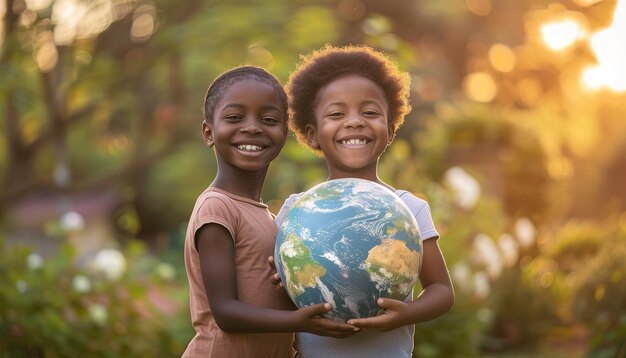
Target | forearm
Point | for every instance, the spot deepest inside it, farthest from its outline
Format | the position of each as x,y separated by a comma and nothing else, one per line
434,301
238,317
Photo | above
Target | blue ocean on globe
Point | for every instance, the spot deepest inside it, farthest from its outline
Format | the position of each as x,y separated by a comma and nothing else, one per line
348,242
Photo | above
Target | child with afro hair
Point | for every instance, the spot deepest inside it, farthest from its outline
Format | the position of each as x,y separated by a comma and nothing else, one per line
346,104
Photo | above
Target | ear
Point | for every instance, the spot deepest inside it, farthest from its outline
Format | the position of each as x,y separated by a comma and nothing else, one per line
391,135
311,135
207,134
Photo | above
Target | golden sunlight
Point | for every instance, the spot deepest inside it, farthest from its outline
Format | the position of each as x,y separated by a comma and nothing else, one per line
586,3
79,20
561,34
502,58
608,48
480,87
38,5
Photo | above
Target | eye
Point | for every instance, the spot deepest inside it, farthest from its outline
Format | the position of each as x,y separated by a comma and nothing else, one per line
271,120
233,117
335,115
371,113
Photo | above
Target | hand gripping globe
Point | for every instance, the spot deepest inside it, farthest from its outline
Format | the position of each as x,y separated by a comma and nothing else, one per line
348,242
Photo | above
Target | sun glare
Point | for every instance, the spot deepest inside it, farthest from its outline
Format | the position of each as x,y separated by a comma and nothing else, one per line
79,20
608,48
559,35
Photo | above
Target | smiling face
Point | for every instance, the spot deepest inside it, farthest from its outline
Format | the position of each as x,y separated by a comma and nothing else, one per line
351,126
248,128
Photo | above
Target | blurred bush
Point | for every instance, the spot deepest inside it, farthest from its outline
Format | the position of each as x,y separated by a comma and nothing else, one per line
599,295
117,305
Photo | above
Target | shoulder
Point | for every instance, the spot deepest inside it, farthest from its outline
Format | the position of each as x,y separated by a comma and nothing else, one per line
212,202
421,211
413,202
290,201
286,205
292,198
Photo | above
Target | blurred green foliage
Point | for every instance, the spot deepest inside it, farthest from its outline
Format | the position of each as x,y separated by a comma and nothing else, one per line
119,111
54,307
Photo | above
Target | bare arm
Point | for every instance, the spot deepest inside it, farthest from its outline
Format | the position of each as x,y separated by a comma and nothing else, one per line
436,298
217,262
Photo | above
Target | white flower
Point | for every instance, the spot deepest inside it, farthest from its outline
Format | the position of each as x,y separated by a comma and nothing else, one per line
466,189
486,253
165,271
98,313
509,249
461,275
110,262
525,232
34,261
481,285
81,284
21,286
72,221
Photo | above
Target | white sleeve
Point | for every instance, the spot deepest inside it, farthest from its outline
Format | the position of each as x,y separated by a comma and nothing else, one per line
286,206
421,211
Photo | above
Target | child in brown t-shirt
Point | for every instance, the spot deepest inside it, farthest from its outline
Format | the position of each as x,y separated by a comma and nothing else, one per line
235,310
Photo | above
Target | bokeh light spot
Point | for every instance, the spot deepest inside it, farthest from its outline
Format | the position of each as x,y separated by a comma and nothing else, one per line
559,35
480,87
260,56
47,57
479,7
142,28
502,58
599,293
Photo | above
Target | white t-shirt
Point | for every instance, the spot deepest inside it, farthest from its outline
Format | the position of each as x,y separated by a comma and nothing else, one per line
397,343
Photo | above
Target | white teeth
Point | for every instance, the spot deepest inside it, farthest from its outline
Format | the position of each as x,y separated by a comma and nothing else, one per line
249,147
354,141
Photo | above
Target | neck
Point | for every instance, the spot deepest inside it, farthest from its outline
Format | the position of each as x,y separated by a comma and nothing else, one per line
363,173
239,182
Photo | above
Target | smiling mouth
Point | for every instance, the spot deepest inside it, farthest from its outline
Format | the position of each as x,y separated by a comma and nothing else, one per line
250,147
354,141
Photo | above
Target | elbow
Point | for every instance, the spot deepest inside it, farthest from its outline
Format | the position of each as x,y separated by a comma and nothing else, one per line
450,298
226,325
225,321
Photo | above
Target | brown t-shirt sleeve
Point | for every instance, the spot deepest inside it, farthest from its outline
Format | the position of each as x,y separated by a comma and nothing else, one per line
214,210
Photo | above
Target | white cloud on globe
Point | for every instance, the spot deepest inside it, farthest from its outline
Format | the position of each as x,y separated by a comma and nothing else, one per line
334,259
328,295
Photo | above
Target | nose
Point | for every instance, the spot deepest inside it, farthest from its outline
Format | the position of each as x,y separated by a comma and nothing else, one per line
251,129
354,121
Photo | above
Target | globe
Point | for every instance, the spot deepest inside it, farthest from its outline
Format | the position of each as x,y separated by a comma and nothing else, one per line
348,242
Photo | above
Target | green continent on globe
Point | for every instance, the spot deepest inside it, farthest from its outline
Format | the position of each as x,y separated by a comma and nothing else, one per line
301,270
393,263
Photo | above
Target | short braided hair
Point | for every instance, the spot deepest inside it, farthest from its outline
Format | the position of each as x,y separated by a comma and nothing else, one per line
220,85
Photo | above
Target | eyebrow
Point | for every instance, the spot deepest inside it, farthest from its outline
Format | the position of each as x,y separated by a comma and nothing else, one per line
238,105
369,101
241,106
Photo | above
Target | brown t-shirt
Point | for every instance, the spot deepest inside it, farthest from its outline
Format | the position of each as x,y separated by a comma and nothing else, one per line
253,230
